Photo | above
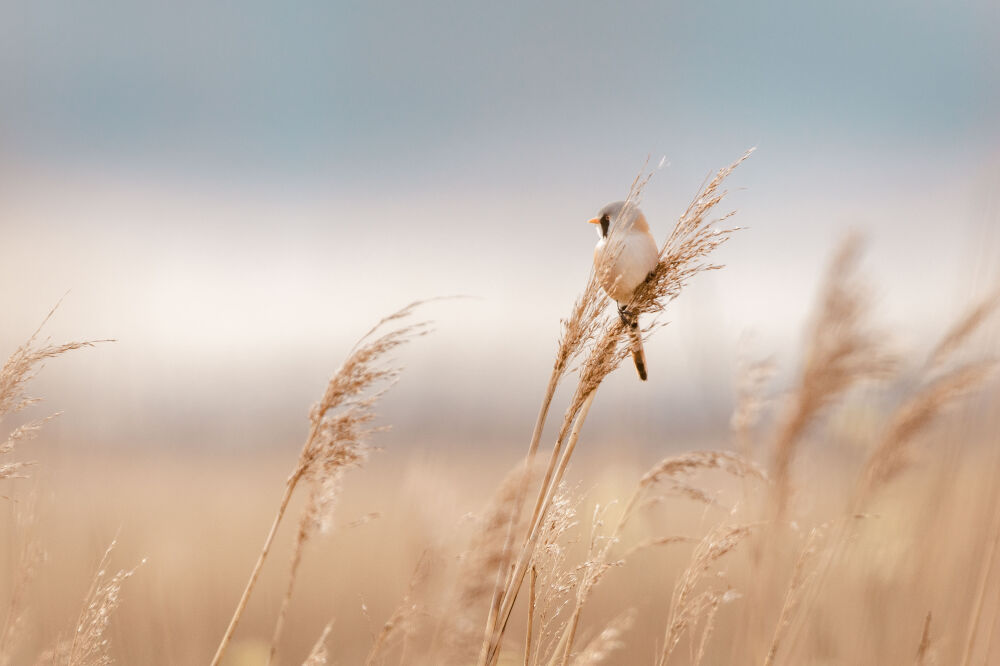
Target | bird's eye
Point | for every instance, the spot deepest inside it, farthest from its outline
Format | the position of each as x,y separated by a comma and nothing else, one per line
605,219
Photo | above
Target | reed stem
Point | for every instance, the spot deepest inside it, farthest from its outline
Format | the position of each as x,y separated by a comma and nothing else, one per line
510,594
293,481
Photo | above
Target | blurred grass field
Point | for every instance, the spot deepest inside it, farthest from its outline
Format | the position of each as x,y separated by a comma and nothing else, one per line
199,523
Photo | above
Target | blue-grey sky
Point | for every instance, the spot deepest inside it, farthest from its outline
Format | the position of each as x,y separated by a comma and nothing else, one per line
235,190
355,92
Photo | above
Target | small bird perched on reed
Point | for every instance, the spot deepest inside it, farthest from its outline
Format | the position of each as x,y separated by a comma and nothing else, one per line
624,257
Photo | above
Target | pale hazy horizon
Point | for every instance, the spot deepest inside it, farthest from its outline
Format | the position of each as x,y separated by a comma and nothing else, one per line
235,198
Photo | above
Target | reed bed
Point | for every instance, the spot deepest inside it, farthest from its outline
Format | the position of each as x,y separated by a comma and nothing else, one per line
758,550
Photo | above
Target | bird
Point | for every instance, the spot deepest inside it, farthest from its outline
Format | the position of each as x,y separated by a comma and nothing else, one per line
623,262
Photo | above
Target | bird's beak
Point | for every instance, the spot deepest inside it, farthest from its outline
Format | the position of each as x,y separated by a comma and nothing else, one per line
595,220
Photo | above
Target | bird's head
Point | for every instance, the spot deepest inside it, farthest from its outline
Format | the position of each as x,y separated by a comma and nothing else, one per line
619,212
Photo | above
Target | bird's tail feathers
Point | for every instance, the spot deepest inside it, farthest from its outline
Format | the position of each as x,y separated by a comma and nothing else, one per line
639,356
635,338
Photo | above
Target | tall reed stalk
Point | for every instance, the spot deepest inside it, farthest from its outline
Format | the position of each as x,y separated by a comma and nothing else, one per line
339,430
849,357
604,342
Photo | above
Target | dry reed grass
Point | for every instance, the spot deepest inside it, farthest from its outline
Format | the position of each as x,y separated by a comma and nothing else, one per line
18,370
338,441
727,539
842,351
88,645
603,343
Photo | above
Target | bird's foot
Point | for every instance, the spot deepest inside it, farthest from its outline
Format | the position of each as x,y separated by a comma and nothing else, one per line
627,317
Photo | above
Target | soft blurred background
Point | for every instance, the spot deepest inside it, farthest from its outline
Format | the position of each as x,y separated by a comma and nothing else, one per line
236,191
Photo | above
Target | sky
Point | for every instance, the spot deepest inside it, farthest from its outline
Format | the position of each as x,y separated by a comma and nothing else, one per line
235,191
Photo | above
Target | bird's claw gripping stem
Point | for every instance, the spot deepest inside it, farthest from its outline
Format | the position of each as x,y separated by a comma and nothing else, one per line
627,317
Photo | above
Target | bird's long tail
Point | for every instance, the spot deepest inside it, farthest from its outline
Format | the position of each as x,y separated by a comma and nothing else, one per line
635,341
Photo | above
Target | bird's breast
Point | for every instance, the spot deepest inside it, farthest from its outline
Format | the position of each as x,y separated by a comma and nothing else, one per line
621,274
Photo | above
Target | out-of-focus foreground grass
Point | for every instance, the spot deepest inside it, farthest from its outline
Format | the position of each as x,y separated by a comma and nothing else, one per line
199,520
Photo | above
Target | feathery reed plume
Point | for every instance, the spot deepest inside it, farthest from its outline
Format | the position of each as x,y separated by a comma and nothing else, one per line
841,352
593,569
319,656
598,560
401,618
962,330
600,648
606,340
674,469
555,580
803,573
339,430
938,390
686,607
916,414
890,456
713,609
751,380
683,254
89,645
343,446
485,553
687,463
19,369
